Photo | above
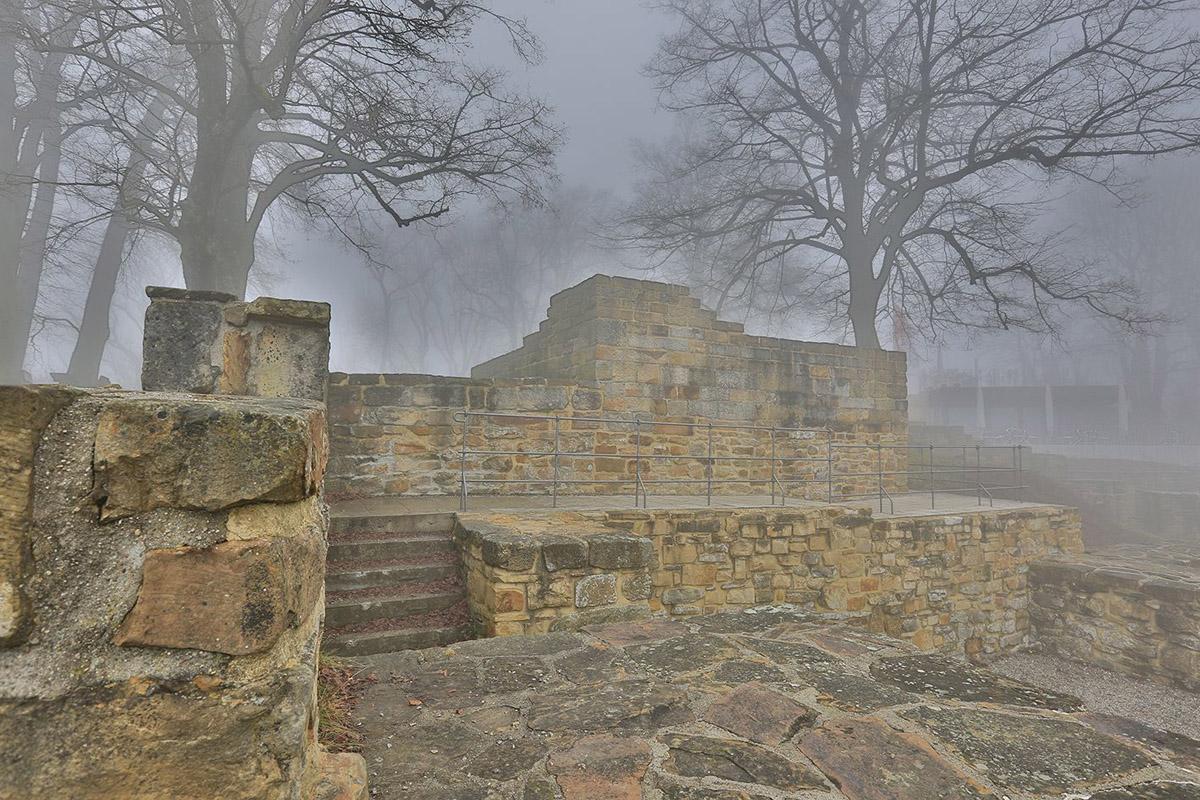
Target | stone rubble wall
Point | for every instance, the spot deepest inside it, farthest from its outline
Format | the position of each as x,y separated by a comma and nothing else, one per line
162,562
622,348
1121,610
213,343
941,582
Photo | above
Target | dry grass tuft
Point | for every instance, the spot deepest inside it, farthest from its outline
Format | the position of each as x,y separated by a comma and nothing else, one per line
339,686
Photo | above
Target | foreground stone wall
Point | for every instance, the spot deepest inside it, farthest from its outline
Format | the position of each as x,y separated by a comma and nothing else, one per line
1134,609
942,582
162,587
621,348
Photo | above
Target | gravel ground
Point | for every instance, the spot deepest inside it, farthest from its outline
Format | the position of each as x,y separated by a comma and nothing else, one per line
1107,692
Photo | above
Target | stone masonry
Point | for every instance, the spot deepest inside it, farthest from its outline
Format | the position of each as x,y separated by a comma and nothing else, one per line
161,598
212,343
620,349
1133,609
944,582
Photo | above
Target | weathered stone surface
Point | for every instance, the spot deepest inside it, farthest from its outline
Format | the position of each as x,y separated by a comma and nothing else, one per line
506,549
1155,790
563,552
713,741
786,653
621,634
341,776
741,671
678,791
601,766
703,756
596,590
506,759
759,714
682,595
938,676
681,655
211,343
24,413
870,761
638,587
1032,754
205,454
632,705
180,331
1183,750
234,597
619,551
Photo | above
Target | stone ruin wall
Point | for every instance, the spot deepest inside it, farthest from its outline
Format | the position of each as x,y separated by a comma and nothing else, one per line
1122,610
162,585
617,348
941,582
212,343
162,560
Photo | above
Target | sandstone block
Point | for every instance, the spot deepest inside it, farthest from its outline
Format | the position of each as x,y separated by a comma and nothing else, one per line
596,590
564,552
24,413
205,453
234,597
619,551
682,595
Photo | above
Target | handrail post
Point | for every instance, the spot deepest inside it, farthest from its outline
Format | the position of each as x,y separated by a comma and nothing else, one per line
554,490
1020,475
709,469
932,481
462,465
978,478
829,459
772,465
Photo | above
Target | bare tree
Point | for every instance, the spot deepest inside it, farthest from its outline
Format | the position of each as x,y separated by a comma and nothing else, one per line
885,155
326,103
31,152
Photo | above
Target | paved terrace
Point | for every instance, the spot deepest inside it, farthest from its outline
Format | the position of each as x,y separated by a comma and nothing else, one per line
903,505
760,705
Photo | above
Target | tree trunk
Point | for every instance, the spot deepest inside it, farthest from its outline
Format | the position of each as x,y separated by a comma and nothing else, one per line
84,369
13,209
865,289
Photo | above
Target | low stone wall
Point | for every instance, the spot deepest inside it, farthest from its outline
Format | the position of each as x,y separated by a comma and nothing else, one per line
161,596
942,582
1133,609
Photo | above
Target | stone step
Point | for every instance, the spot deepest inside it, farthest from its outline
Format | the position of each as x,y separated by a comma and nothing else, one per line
390,641
348,577
391,524
393,606
389,548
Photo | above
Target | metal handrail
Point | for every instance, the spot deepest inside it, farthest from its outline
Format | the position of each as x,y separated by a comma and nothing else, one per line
778,483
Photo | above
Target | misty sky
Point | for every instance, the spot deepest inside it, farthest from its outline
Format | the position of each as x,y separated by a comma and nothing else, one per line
591,75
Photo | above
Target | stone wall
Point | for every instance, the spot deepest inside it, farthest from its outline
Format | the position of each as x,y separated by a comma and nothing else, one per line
621,349
942,582
163,563
212,343
1134,609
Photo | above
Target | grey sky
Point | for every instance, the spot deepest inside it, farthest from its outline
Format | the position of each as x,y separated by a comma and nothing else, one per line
592,76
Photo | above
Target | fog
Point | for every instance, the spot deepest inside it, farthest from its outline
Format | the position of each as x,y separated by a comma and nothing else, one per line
1112,241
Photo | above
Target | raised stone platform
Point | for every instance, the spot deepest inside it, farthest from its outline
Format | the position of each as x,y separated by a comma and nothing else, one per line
760,705
1134,609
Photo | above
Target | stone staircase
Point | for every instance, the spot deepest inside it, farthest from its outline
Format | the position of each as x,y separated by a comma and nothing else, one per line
393,582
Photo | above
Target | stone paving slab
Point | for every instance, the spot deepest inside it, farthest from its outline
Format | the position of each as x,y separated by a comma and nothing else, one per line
769,704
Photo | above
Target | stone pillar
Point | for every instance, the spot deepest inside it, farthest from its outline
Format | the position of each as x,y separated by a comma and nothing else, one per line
161,598
212,343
